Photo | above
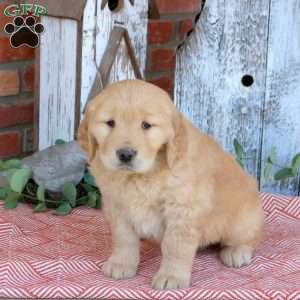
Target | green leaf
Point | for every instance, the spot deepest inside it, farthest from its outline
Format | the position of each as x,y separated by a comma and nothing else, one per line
12,200
296,164
12,164
88,187
89,179
268,171
239,151
60,142
70,192
41,193
64,209
272,156
241,163
296,159
92,199
2,165
10,173
82,200
41,207
19,180
98,202
284,174
3,192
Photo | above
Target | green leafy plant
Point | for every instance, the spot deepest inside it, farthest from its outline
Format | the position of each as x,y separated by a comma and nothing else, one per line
60,142
239,152
270,164
9,164
22,188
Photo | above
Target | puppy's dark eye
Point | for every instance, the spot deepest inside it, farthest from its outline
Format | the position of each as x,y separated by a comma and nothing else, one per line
146,125
111,123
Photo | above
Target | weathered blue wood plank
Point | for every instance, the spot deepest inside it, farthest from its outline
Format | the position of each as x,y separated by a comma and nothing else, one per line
282,107
230,40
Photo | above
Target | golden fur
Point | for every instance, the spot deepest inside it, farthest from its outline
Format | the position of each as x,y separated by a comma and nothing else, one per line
182,190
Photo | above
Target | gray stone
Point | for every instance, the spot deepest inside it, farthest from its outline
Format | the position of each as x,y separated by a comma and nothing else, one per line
56,165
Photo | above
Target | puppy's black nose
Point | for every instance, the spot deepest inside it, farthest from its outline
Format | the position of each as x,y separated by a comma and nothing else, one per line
126,155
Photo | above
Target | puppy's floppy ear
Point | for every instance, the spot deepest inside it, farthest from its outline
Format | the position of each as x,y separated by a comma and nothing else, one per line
177,145
84,136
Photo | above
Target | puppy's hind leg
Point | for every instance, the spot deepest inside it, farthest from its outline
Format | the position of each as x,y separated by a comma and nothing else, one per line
241,240
236,256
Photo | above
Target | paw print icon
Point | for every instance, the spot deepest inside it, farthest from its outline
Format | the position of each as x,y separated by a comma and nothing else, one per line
24,32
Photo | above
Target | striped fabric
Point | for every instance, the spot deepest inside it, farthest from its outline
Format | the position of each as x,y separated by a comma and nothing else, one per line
47,256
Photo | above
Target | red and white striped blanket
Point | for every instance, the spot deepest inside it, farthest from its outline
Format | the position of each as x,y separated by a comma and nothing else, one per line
47,256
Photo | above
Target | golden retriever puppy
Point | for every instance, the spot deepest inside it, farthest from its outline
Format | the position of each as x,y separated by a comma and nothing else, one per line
164,180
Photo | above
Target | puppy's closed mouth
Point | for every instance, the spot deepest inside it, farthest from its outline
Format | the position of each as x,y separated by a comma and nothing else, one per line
127,167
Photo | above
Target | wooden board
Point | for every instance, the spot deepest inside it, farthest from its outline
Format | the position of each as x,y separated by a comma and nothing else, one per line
122,68
57,80
64,88
118,48
71,9
97,25
282,106
229,41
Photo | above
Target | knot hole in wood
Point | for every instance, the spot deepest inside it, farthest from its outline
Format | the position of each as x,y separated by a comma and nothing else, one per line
247,80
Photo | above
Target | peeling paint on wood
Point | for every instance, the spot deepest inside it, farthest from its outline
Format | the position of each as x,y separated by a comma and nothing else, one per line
233,38
57,80
281,127
229,41
97,25
122,68
58,59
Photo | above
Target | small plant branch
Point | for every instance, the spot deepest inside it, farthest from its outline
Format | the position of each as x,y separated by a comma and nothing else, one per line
82,200
264,161
282,173
36,199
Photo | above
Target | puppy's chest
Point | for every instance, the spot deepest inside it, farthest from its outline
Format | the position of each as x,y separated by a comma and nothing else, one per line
147,223
141,202
145,211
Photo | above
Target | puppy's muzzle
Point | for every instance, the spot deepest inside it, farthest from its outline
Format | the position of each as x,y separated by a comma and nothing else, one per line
126,155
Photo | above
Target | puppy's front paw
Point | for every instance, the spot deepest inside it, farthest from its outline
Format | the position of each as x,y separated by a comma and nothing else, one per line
163,280
118,270
236,256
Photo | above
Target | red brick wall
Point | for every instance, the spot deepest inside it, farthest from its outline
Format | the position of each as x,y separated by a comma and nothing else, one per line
16,94
168,26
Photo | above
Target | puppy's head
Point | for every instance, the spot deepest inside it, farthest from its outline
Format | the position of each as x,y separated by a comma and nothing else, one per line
128,124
